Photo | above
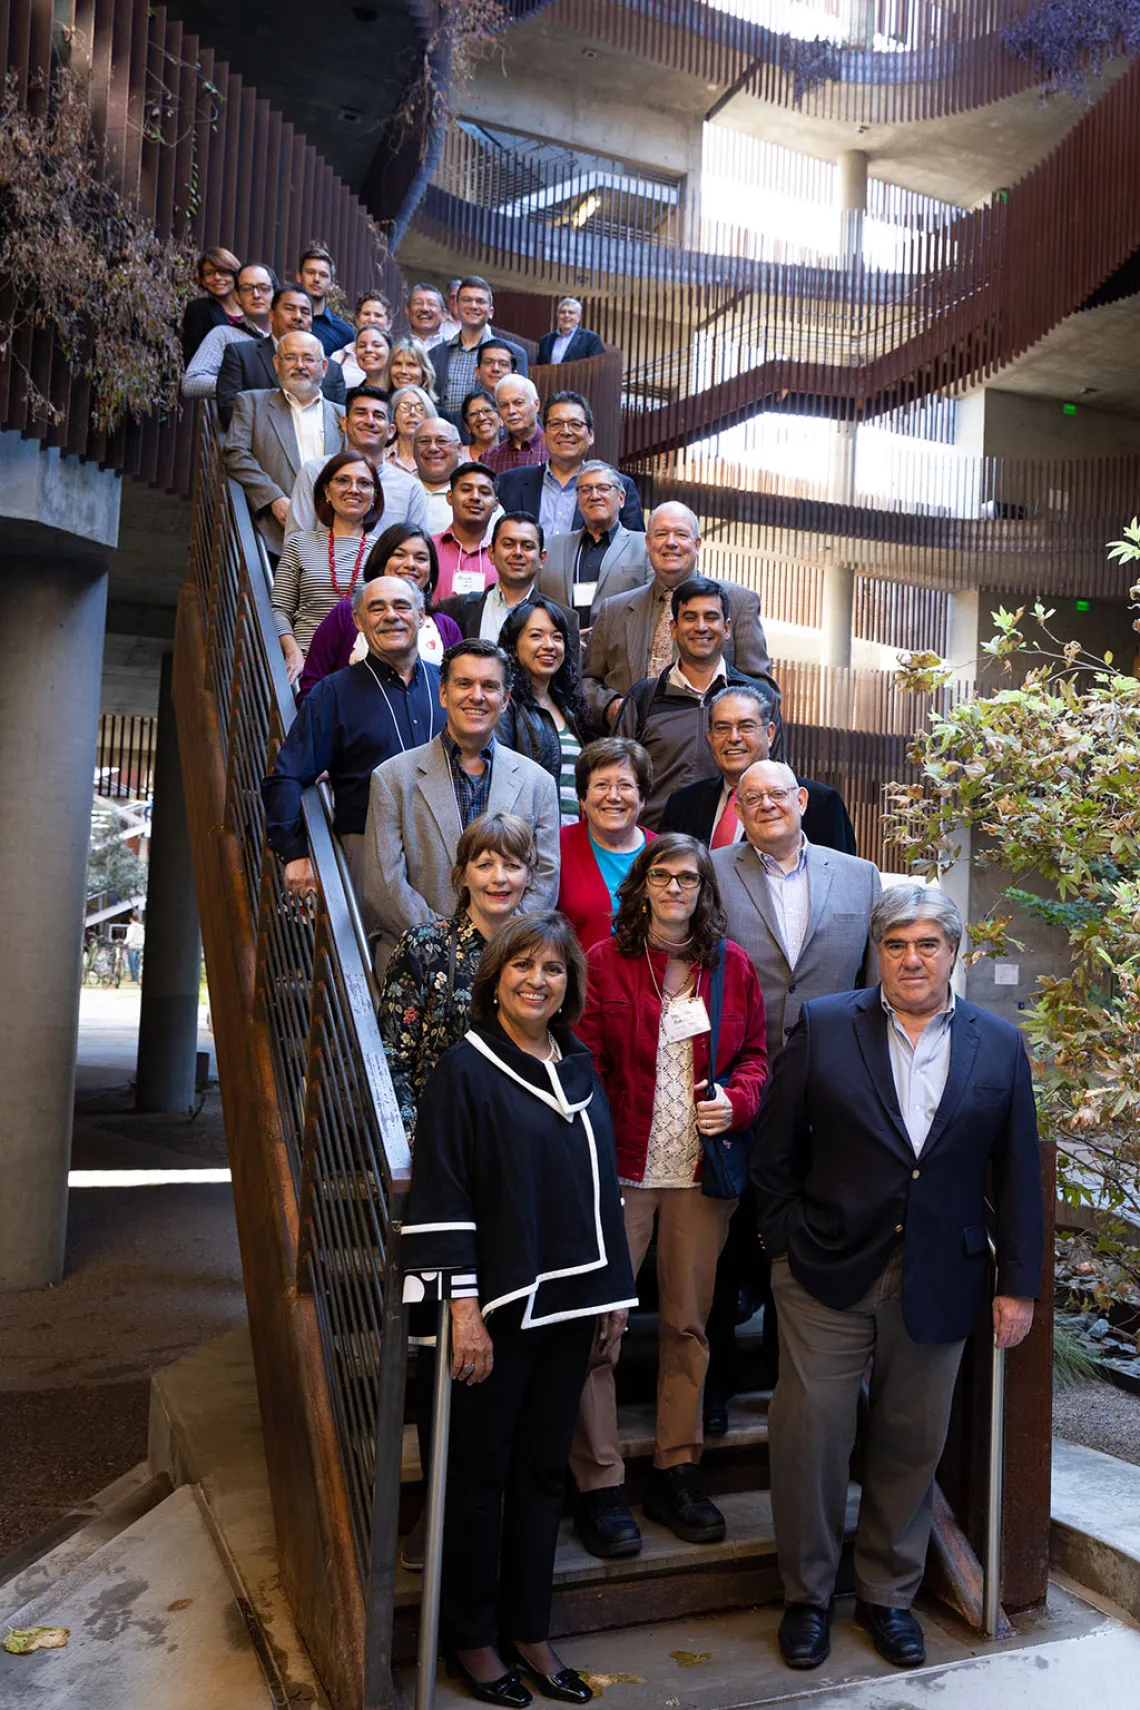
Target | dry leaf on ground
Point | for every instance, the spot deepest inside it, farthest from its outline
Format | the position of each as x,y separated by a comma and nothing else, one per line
598,1682
690,1659
22,1640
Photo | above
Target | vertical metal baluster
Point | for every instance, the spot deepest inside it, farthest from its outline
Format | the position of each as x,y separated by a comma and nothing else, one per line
991,1583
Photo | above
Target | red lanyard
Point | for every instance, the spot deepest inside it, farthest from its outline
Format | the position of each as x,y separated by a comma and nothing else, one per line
355,567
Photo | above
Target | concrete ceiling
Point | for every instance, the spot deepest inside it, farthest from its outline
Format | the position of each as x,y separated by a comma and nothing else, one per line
1091,358
335,73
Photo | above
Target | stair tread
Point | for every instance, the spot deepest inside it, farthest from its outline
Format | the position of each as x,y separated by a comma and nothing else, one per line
152,1621
747,1428
750,1538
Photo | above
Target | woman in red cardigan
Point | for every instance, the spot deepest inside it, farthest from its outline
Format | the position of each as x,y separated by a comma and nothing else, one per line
657,990
613,778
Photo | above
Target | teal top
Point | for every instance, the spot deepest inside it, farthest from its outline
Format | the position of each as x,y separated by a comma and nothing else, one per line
614,866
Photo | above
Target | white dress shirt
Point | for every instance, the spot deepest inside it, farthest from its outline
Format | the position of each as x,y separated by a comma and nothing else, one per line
309,425
790,899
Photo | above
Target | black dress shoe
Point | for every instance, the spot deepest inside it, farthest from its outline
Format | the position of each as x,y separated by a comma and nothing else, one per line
567,1685
805,1635
676,1500
897,1635
715,1412
605,1524
507,1690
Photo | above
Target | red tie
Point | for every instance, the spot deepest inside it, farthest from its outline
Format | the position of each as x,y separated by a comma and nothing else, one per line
725,832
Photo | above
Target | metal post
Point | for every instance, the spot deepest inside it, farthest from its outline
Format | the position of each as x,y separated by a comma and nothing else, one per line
991,1586
436,1493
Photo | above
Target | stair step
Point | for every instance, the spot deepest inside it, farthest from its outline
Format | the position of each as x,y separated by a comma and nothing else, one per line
40,1562
152,1620
668,1579
747,1429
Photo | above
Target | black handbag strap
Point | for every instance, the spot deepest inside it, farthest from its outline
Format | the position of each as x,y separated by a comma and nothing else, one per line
716,1008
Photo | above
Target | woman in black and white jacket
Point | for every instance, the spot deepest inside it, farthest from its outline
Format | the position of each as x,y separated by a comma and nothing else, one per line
515,1194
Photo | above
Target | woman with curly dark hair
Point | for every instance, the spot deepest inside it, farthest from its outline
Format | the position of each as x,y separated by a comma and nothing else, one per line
546,717
675,1021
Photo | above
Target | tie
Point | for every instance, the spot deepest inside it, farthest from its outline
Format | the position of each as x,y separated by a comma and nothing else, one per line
725,832
661,647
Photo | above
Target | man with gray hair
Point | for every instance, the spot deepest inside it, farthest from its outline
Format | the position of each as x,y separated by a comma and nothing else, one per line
603,557
633,635
572,342
516,399
351,721
892,1112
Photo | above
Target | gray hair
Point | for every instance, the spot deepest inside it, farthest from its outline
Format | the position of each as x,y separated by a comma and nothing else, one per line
517,380
397,398
902,905
748,692
413,588
577,302
596,467
676,505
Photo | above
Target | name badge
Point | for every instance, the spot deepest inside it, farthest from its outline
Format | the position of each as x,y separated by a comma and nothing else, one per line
584,593
684,1020
468,582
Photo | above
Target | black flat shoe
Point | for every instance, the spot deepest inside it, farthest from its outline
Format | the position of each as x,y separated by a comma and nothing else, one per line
507,1690
805,1635
897,1635
567,1685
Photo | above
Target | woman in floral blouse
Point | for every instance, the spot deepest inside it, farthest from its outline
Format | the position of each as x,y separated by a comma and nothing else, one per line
427,985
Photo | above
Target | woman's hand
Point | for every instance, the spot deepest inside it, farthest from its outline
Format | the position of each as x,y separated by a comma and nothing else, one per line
714,1115
471,1349
294,658
611,1327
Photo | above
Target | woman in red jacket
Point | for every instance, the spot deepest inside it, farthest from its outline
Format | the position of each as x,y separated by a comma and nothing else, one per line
659,992
613,778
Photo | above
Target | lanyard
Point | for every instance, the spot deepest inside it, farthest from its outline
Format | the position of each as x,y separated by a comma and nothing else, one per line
392,710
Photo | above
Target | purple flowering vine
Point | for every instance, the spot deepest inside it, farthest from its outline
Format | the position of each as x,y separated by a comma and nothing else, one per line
1072,41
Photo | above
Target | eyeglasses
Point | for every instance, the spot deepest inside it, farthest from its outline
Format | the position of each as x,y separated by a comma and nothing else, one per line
348,485
566,427
626,791
661,878
598,492
255,290
757,797
480,416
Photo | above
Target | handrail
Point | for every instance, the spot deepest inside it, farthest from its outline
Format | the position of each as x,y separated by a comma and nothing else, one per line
995,1481
348,1158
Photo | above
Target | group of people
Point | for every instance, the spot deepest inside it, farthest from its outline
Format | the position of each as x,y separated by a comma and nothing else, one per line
635,983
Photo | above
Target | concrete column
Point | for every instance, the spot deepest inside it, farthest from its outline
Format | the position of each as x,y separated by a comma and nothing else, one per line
852,203
51,615
839,579
962,637
168,1024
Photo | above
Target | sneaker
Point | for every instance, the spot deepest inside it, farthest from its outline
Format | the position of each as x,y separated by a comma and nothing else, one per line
605,1524
676,1500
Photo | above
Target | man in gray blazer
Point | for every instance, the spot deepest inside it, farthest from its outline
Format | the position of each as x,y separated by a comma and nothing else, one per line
802,913
632,638
264,449
603,558
422,800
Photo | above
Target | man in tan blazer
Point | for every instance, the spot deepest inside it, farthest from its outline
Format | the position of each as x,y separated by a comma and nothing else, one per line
421,801
273,433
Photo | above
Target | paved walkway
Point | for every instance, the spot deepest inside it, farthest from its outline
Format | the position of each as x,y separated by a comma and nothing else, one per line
109,1036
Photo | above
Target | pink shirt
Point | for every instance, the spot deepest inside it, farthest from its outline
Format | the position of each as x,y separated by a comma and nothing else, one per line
455,560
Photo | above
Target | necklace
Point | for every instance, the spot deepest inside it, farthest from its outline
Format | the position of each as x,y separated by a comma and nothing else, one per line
355,567
666,997
554,1053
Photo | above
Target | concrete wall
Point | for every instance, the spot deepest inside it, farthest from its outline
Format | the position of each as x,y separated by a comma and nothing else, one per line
993,423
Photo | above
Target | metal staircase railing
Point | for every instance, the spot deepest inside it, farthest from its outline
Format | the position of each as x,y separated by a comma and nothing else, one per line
313,1005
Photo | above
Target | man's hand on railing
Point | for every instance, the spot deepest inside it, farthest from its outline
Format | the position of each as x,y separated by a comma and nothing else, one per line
300,880
1012,1319
294,658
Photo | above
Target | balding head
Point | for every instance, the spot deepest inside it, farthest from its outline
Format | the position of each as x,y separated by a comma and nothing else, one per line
771,806
673,543
301,364
435,447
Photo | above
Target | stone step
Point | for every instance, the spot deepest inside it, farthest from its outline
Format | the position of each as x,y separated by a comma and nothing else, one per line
747,1429
39,1563
152,1622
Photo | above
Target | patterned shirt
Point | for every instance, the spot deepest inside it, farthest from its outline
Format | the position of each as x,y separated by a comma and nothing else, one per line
674,1149
460,373
425,1004
471,794
508,455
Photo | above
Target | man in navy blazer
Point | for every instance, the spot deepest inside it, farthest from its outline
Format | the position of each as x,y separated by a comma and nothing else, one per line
572,342
889,1111
549,490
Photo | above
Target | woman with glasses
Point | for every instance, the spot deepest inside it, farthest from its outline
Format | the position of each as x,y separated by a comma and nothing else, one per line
482,424
546,714
410,406
612,779
217,273
675,1021
322,566
400,551
410,365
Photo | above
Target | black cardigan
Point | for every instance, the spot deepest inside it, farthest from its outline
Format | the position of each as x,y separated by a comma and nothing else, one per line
514,1184
201,315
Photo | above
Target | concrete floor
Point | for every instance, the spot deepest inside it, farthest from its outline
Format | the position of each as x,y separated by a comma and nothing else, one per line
151,1273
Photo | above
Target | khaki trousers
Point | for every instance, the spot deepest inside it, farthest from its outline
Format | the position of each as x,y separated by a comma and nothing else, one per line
811,1433
352,842
691,1231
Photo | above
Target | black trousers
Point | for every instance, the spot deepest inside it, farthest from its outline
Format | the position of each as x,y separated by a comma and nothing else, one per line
506,1475
743,1263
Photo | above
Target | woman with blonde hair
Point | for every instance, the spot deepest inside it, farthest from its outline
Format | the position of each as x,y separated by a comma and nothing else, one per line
410,365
